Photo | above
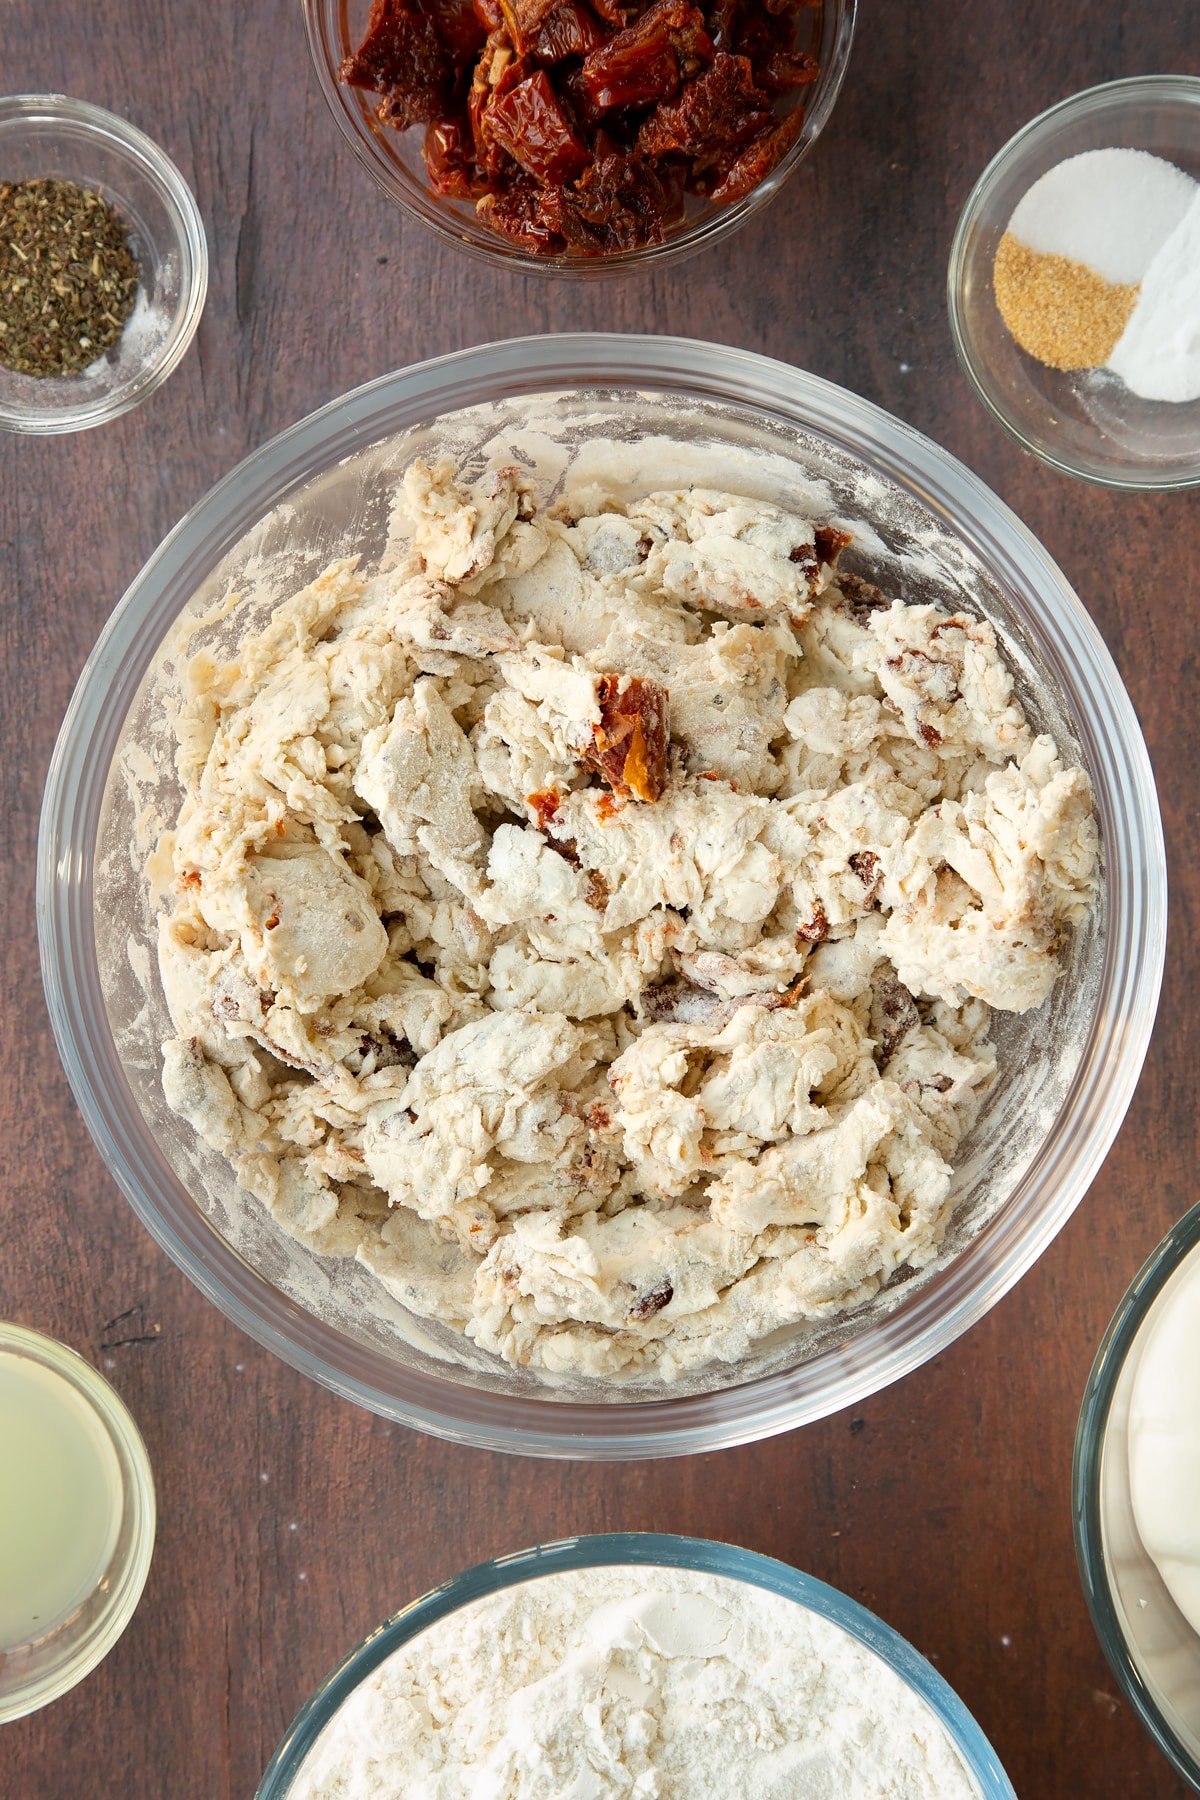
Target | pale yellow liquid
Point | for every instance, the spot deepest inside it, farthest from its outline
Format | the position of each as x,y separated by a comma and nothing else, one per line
60,1501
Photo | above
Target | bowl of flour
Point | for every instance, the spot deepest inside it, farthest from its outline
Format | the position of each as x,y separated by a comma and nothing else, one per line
647,1666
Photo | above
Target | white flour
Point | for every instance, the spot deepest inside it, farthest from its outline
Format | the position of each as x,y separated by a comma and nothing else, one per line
651,1683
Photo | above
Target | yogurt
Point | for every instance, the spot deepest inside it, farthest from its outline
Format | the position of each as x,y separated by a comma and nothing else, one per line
1164,1440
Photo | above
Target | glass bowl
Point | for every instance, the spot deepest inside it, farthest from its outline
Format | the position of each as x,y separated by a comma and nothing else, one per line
50,134
49,1666
394,161
647,1550
1152,1650
321,490
1085,423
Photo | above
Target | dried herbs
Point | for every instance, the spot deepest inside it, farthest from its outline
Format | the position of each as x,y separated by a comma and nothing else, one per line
579,127
68,278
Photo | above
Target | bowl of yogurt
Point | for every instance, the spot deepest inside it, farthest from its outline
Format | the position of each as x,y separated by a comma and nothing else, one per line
1135,1487
635,1664
641,959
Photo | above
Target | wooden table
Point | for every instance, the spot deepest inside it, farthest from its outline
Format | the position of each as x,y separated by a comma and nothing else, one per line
290,1522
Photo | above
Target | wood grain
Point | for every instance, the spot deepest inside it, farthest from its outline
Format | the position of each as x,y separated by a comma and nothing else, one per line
290,1522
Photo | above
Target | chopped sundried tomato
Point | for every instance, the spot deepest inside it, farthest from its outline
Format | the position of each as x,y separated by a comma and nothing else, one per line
644,63
814,929
403,58
618,204
515,211
722,17
866,866
458,27
572,29
449,159
524,19
758,160
629,72
498,70
545,803
629,745
587,120
646,1305
830,542
720,109
529,123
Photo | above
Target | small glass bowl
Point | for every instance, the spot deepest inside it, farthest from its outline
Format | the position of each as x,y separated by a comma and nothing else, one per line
1086,423
652,1550
50,134
1152,1650
395,162
33,1676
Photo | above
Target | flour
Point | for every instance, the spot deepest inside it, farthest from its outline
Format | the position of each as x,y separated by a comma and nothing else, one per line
646,1683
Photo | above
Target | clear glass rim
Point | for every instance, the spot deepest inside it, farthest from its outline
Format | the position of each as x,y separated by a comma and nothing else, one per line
1098,99
190,241
1058,1175
1090,1436
139,1499
653,1550
320,17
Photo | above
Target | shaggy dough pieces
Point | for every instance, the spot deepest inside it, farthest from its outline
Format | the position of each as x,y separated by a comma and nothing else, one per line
615,1049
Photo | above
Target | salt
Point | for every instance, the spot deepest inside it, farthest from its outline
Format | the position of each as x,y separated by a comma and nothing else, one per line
1158,353
1112,210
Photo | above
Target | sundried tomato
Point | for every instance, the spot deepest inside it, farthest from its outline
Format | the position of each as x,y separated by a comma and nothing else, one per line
498,69
769,41
572,29
629,746
458,27
645,62
449,158
577,125
515,211
620,203
524,19
529,123
758,160
403,58
719,109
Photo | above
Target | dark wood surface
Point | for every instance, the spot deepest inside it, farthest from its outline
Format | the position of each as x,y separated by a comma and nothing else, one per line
291,1522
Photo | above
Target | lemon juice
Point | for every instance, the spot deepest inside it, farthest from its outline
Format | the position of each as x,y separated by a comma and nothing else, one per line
61,1501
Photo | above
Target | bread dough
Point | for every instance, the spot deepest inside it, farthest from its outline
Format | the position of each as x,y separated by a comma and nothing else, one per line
591,921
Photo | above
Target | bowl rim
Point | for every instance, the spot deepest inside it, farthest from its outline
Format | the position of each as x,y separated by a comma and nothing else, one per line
491,248
1092,99
138,1493
1060,1171
189,240
649,1549
1090,1437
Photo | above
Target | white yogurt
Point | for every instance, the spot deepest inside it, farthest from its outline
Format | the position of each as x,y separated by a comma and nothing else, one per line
1164,1441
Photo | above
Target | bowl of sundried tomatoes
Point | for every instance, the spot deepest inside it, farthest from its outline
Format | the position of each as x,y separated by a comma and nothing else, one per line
581,136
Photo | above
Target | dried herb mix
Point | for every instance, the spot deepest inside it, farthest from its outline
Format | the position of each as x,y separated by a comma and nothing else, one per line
68,278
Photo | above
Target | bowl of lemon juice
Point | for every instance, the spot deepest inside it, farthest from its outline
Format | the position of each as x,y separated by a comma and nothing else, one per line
76,1519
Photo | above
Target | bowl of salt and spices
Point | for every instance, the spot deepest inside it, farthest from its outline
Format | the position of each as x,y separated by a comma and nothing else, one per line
1074,284
103,265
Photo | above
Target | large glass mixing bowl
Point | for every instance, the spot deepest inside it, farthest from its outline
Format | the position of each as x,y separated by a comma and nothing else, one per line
674,410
